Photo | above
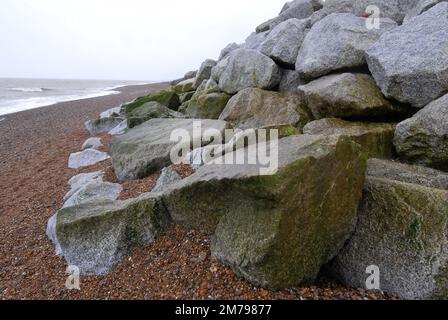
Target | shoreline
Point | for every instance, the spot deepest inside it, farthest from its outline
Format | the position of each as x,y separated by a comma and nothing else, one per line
115,90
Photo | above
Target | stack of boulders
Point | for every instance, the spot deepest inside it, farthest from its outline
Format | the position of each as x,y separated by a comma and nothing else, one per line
362,110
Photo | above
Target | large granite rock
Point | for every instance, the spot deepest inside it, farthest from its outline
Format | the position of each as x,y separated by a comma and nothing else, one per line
347,95
249,68
256,108
204,73
276,230
423,139
86,158
284,41
146,148
339,41
375,138
392,9
410,63
97,236
298,9
401,229
204,105
149,111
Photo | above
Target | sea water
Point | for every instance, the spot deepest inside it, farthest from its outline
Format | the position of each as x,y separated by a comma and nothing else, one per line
24,94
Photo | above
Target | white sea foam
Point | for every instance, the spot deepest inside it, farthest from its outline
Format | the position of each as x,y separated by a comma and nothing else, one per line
28,89
24,94
12,106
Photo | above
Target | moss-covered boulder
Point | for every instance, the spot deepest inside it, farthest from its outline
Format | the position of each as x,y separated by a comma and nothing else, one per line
277,230
375,138
184,86
402,227
97,236
148,111
347,95
147,148
168,98
256,108
207,104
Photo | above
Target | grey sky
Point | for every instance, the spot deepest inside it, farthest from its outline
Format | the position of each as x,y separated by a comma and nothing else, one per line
116,39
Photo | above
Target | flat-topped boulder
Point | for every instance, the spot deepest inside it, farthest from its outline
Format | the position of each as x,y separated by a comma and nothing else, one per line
375,138
339,41
97,236
276,230
347,95
256,108
410,63
249,68
146,148
401,229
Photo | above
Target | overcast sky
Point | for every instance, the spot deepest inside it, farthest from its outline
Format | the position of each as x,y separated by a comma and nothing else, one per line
121,40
